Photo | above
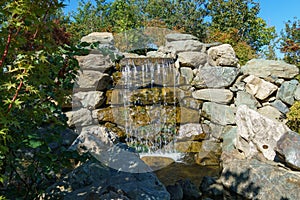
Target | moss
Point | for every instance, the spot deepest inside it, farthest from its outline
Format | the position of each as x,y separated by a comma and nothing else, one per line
294,117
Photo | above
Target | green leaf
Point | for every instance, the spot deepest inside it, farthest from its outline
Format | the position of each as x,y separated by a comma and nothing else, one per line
35,144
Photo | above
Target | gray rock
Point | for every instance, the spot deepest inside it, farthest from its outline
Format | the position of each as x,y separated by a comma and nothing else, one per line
289,147
215,77
229,138
192,59
210,153
260,88
254,179
89,100
219,114
187,73
270,68
257,133
191,131
190,102
297,93
179,37
93,180
93,80
190,191
156,54
175,191
271,113
182,46
100,143
210,186
279,105
244,98
101,37
79,118
222,55
222,96
97,62
286,91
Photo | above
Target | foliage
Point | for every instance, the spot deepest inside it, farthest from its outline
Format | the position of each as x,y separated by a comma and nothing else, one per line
183,16
242,16
123,15
290,42
293,117
36,72
243,51
88,18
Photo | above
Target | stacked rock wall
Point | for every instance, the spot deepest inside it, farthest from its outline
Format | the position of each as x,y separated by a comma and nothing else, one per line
214,87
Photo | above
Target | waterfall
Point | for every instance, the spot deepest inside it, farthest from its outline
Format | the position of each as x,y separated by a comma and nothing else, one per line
148,92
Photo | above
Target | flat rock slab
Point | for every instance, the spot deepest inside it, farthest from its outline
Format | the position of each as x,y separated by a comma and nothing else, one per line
222,96
270,68
215,77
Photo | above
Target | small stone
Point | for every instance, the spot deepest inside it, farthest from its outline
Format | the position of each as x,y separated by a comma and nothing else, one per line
187,73
279,105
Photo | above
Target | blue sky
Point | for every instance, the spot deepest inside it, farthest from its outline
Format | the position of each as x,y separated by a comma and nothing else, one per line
277,12
274,12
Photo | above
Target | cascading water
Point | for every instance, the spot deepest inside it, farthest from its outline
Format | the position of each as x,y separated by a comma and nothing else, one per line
147,90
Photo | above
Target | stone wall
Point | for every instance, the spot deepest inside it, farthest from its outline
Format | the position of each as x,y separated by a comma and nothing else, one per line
227,112
214,86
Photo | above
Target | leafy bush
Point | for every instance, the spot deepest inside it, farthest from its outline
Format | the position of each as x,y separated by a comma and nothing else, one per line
36,73
294,117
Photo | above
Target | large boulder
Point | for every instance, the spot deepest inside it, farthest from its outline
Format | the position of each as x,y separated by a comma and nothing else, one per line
215,77
90,99
222,96
222,55
289,147
93,180
257,133
93,80
183,46
192,59
254,179
218,113
286,91
179,37
79,118
260,88
101,37
270,69
97,62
